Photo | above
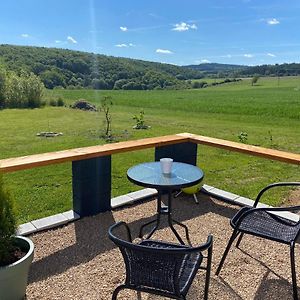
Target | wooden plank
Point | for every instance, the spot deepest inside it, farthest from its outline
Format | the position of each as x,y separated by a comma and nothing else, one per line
292,158
44,159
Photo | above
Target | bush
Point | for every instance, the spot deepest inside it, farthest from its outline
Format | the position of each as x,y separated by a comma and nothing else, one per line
2,88
7,226
60,102
199,84
52,102
24,91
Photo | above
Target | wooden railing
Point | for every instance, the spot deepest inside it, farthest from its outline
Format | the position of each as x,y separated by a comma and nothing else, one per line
92,189
44,159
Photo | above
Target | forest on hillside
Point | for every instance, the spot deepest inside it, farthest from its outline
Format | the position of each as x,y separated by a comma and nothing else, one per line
62,68
235,71
74,69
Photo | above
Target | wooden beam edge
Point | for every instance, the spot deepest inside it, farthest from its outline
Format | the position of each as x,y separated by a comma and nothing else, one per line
287,157
44,159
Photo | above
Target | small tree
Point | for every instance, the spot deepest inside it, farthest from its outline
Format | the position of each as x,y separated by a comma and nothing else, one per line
254,80
140,121
106,104
7,226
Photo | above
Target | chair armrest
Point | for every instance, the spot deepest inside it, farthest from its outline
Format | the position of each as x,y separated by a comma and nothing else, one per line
206,246
116,225
270,186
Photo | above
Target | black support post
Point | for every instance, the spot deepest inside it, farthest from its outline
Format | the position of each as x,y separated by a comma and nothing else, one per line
91,185
183,152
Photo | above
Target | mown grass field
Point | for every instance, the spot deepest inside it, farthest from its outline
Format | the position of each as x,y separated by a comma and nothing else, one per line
268,112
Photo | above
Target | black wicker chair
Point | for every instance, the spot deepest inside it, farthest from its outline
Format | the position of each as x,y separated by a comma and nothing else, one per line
265,223
158,267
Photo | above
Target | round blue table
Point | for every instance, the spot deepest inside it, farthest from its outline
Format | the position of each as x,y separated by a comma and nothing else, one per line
150,175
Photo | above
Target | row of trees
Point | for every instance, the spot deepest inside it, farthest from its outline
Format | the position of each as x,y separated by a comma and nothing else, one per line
233,71
20,91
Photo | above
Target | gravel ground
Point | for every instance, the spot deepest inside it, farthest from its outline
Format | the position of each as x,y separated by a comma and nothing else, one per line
78,261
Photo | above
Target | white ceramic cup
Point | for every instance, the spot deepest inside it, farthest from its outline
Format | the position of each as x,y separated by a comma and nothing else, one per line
166,165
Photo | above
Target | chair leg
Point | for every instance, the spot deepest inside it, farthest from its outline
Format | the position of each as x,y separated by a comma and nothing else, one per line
231,240
177,194
239,240
117,290
293,268
195,198
207,279
139,295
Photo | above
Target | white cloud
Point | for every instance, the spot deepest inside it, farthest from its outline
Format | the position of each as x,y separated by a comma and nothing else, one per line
202,61
271,55
25,35
273,21
125,45
163,51
123,28
71,39
184,26
57,41
248,55
122,45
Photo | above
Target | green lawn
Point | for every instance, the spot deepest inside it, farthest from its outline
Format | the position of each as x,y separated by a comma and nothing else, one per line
269,112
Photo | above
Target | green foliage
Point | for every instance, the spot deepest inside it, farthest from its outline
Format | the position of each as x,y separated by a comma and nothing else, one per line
74,69
2,87
243,137
140,122
254,80
106,104
60,101
24,91
52,78
7,225
53,102
199,84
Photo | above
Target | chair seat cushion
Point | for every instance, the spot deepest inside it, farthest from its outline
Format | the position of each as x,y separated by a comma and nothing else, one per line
189,266
265,224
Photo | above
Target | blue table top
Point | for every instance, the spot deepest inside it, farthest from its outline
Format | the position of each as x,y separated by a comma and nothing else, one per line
150,175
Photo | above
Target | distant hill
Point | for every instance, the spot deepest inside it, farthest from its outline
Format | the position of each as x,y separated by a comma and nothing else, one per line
228,70
215,67
75,69
62,68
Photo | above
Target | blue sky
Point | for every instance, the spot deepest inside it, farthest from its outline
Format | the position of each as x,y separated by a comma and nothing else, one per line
173,31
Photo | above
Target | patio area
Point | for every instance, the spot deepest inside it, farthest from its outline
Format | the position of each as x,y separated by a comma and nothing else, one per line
78,261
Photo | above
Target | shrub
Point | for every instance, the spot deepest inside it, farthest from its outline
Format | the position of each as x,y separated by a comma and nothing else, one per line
2,88
199,84
140,122
24,91
7,226
243,137
52,102
60,102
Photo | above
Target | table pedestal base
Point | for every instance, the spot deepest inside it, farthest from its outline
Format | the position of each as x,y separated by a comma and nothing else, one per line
165,210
